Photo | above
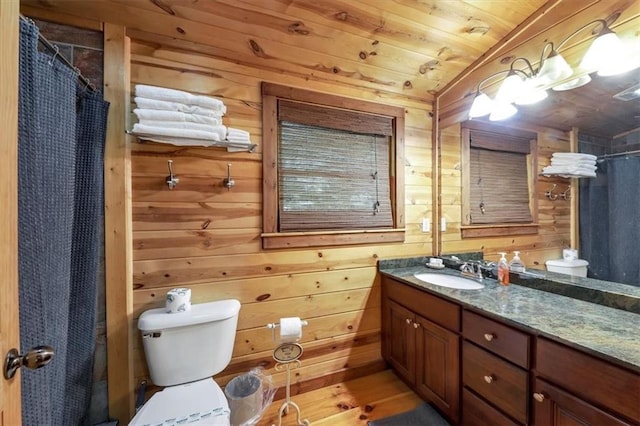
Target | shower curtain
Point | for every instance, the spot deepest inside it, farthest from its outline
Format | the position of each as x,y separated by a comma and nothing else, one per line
609,223
61,134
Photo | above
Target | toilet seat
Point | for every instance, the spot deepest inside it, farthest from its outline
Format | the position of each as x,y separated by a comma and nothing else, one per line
201,402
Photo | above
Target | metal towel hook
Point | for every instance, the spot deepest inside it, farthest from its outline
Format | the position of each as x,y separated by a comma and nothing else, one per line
566,195
228,182
550,195
171,180
57,49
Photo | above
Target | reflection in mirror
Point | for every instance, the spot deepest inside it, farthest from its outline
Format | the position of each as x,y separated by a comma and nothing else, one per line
610,209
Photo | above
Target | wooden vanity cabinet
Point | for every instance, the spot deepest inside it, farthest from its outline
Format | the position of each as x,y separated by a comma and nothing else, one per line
421,343
479,370
572,385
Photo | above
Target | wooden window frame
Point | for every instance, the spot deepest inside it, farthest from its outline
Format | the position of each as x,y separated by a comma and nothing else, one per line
271,237
507,229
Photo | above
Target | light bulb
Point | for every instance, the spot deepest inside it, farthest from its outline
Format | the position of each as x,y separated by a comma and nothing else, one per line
512,86
531,93
482,105
553,69
502,111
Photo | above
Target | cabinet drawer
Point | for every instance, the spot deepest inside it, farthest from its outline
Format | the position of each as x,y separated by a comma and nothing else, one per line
592,379
553,406
499,382
477,412
440,311
500,339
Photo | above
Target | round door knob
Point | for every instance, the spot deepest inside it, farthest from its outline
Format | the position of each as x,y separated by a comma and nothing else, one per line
416,325
36,357
489,379
538,396
489,336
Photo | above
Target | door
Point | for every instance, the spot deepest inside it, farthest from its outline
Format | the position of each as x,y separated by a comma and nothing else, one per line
9,331
438,366
400,341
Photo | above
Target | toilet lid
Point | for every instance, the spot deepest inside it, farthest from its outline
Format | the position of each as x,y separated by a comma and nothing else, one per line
201,402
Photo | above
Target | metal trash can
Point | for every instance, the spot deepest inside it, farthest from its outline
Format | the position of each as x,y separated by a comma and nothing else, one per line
245,397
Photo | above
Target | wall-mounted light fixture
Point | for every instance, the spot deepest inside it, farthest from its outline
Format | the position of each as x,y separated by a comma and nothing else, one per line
606,55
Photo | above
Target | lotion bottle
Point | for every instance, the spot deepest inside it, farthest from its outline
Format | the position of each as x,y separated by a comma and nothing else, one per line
503,270
516,265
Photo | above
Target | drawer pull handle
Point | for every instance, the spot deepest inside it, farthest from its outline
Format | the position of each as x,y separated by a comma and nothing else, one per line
489,379
538,396
416,325
489,336
408,320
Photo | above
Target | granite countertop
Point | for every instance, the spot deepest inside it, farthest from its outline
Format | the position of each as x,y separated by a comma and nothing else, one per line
610,333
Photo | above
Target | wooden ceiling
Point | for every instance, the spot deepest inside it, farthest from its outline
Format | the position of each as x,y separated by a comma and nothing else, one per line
419,49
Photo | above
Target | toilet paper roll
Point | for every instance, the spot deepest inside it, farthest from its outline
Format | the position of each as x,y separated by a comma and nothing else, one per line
569,254
290,329
178,300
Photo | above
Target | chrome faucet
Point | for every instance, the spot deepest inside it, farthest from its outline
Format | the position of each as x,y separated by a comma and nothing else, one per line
472,269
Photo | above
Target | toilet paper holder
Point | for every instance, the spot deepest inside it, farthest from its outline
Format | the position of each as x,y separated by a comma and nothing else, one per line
273,326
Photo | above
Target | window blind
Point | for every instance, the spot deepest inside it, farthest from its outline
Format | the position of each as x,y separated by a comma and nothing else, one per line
332,179
499,191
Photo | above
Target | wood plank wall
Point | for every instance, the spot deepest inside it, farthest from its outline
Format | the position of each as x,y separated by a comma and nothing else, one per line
203,236
206,237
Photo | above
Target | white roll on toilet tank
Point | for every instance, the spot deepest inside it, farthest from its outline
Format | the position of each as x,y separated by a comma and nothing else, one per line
576,267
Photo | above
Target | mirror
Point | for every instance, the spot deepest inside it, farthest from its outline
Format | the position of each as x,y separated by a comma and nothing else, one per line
609,206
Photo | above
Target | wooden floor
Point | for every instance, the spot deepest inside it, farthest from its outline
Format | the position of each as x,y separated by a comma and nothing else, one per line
349,403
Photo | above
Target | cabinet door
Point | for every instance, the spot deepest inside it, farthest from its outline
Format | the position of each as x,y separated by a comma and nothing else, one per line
554,407
399,341
438,367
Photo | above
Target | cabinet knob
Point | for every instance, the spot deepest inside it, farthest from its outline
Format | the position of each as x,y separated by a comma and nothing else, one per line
416,325
408,320
538,396
489,379
489,336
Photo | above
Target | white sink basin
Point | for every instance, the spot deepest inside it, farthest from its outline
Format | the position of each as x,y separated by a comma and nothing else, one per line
450,281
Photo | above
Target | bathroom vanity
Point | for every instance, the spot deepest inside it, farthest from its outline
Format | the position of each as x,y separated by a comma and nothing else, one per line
510,355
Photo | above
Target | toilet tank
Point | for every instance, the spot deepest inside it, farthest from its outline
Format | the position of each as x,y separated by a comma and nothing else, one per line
188,346
576,267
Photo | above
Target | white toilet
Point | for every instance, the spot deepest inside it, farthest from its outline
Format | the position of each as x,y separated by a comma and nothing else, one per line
183,350
575,267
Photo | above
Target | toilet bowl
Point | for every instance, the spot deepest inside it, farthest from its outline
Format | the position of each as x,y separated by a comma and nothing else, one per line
183,351
576,267
201,402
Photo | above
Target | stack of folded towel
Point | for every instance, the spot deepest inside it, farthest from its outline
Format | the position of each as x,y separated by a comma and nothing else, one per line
572,164
181,118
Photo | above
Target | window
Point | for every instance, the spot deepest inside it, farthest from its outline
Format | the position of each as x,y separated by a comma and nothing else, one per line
333,170
499,180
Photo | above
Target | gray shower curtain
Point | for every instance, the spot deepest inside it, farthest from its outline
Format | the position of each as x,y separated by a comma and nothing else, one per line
609,224
60,201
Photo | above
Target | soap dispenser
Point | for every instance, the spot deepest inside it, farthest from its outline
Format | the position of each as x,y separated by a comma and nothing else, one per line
503,270
516,264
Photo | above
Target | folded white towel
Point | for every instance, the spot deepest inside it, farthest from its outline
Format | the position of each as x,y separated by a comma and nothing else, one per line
217,133
175,116
238,139
147,103
579,171
574,155
180,125
590,165
562,162
172,95
237,133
